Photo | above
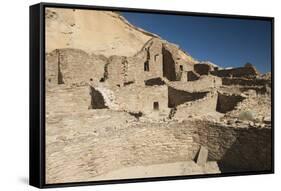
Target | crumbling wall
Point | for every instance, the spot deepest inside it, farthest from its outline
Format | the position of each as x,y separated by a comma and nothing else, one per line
205,106
135,71
73,66
236,72
245,82
203,69
192,76
227,102
51,69
142,99
154,58
202,84
118,147
237,149
177,97
63,99
121,71
116,70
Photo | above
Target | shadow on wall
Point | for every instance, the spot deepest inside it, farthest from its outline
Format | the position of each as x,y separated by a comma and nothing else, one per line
154,82
177,97
169,68
251,151
97,100
227,103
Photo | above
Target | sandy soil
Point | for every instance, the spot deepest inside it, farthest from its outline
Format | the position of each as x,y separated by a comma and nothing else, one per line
161,170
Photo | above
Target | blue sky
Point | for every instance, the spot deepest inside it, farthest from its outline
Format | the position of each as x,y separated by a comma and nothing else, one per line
225,42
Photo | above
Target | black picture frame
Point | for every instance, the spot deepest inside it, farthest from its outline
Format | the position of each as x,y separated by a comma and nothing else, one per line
37,94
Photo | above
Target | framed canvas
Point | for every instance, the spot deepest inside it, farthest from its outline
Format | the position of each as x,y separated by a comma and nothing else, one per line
123,95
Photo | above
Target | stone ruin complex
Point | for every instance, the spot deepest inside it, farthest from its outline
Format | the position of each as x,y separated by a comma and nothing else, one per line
158,106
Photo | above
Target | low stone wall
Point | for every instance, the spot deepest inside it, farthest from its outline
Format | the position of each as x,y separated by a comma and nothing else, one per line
145,144
115,146
227,102
177,97
236,72
203,83
245,82
65,99
202,106
202,69
237,149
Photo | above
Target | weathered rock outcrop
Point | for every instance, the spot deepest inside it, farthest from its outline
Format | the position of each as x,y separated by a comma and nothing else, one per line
101,32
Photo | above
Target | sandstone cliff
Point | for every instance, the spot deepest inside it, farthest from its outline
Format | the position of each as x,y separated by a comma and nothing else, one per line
99,32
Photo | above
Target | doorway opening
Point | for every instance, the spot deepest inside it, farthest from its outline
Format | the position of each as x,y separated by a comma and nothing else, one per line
156,105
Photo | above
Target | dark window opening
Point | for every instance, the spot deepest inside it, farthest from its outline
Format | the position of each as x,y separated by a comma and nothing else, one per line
91,79
148,54
156,105
181,68
146,66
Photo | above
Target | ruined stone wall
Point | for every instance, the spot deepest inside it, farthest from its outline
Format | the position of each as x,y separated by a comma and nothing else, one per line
228,102
177,97
202,69
203,106
135,71
135,99
116,68
203,83
154,59
191,76
245,82
144,144
73,66
67,99
237,149
140,144
52,69
236,72
121,71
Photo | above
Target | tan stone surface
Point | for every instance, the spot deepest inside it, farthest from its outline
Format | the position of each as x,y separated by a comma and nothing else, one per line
120,103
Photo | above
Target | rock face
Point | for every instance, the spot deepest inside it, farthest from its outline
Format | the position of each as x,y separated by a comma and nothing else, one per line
118,97
101,32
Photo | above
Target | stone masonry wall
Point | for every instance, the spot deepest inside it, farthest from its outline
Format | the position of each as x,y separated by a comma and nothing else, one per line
135,99
202,106
202,84
177,97
237,149
75,66
139,144
227,102
236,72
245,82
67,99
